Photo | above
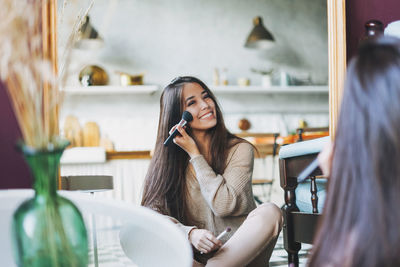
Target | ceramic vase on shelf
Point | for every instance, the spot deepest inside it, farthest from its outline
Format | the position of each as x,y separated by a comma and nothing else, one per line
266,81
48,230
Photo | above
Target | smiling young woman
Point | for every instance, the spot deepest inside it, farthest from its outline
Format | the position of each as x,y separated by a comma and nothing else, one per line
199,103
203,181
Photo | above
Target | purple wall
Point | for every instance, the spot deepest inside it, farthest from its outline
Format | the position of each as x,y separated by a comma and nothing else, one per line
14,172
360,11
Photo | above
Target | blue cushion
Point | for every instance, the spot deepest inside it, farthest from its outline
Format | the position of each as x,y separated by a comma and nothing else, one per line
303,195
303,148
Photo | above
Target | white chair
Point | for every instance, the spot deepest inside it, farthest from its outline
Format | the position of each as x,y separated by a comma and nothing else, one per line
146,237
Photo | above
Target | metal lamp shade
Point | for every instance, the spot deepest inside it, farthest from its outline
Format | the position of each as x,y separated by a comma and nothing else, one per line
89,38
259,37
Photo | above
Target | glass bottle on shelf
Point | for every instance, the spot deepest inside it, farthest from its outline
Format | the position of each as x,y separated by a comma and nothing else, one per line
216,77
224,76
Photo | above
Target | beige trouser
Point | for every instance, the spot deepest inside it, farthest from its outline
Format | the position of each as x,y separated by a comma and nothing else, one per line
253,242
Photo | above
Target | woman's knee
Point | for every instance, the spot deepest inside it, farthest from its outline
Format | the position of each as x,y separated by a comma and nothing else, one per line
271,213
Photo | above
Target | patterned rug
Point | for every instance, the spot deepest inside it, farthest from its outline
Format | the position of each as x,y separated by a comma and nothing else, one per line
279,256
110,254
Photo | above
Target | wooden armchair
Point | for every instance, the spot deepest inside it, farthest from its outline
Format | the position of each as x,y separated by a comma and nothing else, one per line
299,227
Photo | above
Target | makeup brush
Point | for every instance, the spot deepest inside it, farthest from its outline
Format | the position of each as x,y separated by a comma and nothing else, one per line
221,235
308,170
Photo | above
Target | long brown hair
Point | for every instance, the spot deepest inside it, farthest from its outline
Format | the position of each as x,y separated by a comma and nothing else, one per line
361,218
165,183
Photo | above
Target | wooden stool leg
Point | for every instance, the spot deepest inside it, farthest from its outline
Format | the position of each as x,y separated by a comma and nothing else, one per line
270,192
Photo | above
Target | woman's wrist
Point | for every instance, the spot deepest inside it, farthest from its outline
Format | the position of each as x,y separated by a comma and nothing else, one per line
190,234
193,155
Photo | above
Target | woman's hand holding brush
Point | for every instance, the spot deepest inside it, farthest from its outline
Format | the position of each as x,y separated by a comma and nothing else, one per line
204,241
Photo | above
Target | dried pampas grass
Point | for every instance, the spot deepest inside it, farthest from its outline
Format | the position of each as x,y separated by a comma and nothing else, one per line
32,81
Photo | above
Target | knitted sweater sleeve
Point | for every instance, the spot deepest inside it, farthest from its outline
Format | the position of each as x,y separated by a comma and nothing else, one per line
230,193
184,228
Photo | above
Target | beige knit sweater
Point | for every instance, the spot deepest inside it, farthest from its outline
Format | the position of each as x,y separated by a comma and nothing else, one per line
217,201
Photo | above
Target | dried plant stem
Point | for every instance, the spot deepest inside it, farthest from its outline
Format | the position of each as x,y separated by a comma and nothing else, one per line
30,125
50,91
28,65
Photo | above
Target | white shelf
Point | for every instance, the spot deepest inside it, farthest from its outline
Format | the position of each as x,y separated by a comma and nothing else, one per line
111,90
309,89
228,89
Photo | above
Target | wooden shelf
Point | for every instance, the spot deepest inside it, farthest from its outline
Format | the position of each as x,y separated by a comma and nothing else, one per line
112,155
245,134
111,90
309,89
263,150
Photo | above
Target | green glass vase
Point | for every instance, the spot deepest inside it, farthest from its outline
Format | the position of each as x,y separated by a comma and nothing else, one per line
48,230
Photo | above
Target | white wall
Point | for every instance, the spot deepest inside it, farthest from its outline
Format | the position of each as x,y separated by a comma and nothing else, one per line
176,37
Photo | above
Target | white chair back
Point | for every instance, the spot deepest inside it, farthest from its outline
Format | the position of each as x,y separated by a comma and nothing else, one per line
146,237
